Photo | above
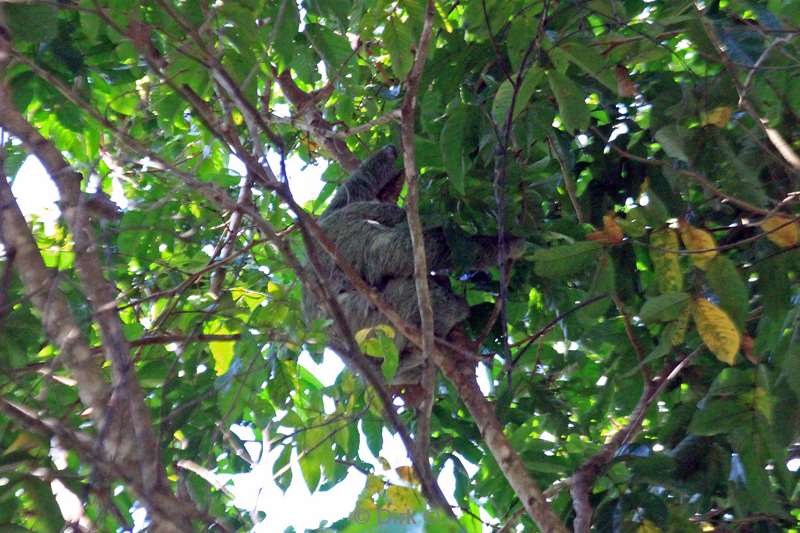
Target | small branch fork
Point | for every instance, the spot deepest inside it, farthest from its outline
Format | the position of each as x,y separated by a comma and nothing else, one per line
582,481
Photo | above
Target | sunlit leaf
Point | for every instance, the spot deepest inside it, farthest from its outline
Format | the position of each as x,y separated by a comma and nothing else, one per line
719,116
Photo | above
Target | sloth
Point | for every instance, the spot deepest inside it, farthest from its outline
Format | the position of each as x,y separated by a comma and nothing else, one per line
371,232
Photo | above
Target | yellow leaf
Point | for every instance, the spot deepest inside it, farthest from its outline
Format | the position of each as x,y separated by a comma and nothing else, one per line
406,473
366,333
238,119
719,116
251,299
698,239
402,500
273,288
646,526
374,485
679,333
24,442
717,330
222,352
781,230
669,277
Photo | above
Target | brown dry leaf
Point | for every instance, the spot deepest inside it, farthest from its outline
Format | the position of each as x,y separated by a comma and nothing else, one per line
626,87
612,230
598,236
717,330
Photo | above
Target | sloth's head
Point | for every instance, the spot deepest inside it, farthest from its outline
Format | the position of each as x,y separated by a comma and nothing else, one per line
381,166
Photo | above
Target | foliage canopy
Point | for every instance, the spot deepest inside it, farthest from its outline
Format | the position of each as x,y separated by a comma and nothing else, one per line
646,362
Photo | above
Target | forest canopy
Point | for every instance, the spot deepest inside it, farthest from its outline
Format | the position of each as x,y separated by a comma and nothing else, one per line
630,362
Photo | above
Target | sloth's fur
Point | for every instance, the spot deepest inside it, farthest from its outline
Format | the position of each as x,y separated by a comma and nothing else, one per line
372,233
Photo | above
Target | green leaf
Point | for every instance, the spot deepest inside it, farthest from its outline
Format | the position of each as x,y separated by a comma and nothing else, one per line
398,41
45,507
504,94
603,282
378,341
727,284
287,19
572,108
373,432
14,160
671,140
316,442
33,23
560,262
310,467
335,48
665,307
589,60
452,145
718,416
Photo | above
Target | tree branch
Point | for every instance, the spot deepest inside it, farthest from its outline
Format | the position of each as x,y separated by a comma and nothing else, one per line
41,288
582,481
99,291
696,176
421,271
783,147
168,513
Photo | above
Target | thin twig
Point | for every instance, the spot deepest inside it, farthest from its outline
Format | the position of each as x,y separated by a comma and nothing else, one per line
699,178
583,479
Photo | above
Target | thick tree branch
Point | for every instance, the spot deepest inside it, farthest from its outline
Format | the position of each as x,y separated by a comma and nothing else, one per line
41,288
306,106
100,292
421,271
462,375
167,512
